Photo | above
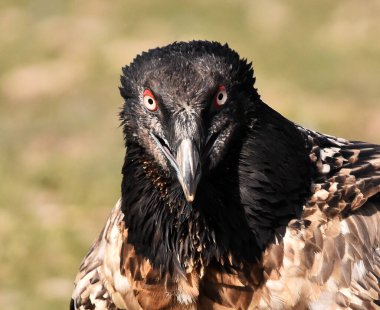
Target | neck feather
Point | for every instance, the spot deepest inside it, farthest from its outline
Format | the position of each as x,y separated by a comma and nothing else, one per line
241,205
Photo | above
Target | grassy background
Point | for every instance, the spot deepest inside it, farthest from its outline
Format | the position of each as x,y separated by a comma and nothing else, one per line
317,62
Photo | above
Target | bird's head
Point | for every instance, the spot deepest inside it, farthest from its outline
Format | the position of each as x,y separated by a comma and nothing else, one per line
184,104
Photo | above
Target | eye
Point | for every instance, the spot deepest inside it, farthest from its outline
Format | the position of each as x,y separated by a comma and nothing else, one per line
220,97
149,101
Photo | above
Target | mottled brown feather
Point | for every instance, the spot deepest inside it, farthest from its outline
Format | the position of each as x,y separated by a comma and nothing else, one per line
328,259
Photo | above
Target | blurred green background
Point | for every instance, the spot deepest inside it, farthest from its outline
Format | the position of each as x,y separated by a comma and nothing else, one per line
61,151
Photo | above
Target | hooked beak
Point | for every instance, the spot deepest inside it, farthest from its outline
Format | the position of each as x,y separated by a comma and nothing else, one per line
187,164
189,168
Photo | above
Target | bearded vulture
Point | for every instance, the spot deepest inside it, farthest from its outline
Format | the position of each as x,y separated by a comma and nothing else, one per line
226,204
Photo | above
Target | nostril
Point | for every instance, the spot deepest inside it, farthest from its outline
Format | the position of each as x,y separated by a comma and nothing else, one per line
164,144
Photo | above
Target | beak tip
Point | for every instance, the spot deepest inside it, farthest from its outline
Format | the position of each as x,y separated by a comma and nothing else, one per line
190,198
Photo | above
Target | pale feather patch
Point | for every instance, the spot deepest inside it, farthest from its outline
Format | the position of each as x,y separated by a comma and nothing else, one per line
187,290
121,283
95,290
333,187
276,289
344,229
359,270
329,152
348,293
277,302
101,250
286,294
325,168
100,304
263,304
375,162
185,299
118,300
325,301
275,285
322,194
331,285
83,283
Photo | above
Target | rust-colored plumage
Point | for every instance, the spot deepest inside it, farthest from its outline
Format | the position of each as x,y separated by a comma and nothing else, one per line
314,244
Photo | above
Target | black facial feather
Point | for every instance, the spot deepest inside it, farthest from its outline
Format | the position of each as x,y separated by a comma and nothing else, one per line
255,166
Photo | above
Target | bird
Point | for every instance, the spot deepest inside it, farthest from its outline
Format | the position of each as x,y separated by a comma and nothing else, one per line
227,204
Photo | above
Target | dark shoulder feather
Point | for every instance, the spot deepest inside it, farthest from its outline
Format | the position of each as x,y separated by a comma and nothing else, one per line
347,173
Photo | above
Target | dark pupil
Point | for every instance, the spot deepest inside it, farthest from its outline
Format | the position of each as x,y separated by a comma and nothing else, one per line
220,96
150,101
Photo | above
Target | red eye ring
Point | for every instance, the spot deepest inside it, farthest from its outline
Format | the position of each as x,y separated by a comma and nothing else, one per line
220,97
149,101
